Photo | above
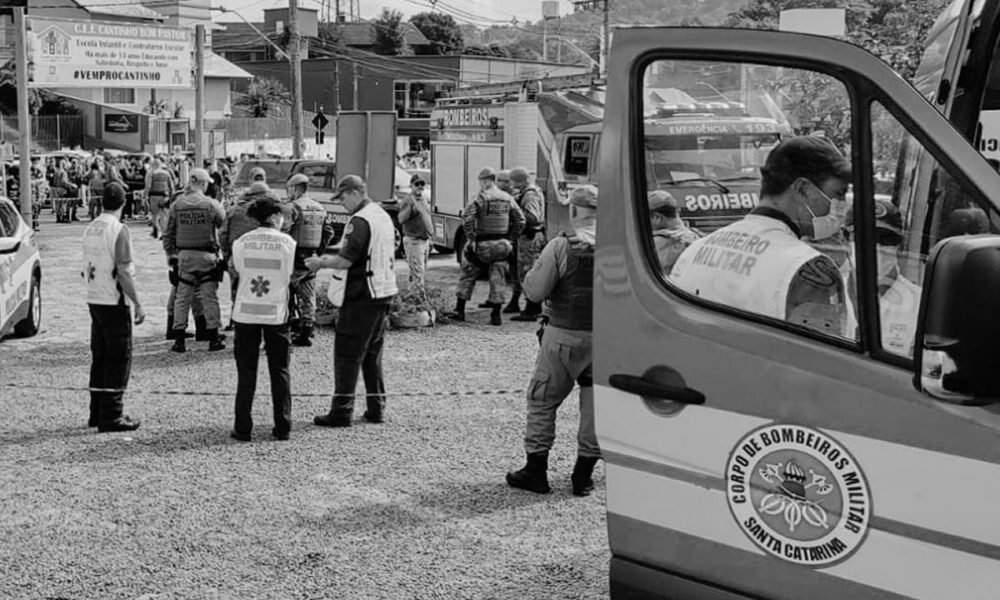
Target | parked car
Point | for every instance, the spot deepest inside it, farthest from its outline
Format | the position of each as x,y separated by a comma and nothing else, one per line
20,274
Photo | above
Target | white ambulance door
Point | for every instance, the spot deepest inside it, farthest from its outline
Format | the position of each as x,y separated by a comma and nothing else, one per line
945,53
754,452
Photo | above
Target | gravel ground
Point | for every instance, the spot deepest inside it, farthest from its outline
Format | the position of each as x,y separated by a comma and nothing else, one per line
413,508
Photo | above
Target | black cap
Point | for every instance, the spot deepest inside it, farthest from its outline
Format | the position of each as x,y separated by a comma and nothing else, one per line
417,179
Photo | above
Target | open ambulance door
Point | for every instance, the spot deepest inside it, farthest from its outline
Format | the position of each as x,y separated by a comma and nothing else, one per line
752,456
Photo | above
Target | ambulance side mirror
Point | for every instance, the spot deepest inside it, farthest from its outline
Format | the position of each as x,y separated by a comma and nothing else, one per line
958,360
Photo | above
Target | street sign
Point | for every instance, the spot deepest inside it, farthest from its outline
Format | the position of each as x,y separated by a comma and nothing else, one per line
6,151
320,121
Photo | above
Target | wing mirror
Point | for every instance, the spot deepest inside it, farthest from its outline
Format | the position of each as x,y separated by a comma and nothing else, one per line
959,358
9,245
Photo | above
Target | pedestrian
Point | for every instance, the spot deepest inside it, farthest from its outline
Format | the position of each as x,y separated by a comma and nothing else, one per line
364,295
109,276
670,235
159,190
415,221
239,222
264,259
489,221
768,269
563,278
312,231
531,241
192,247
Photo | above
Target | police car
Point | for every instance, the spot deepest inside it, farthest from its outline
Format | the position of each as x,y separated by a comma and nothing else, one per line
20,274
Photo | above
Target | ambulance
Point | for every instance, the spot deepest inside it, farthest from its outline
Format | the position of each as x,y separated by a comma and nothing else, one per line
20,274
749,457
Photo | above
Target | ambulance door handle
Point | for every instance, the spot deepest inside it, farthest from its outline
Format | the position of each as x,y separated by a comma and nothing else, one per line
651,389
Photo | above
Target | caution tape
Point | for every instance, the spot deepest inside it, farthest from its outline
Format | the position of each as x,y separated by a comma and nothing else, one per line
502,392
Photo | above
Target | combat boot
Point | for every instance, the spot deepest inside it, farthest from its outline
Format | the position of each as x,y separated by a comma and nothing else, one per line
582,477
303,337
201,330
215,341
495,316
179,344
459,314
513,306
172,333
533,477
532,310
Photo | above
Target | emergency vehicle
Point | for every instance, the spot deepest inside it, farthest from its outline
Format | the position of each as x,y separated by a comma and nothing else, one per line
20,274
707,154
747,457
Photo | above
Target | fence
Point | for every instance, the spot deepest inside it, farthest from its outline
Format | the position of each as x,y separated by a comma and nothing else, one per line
246,128
47,132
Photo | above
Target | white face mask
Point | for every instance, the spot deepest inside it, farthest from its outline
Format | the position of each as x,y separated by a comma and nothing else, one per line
887,260
829,225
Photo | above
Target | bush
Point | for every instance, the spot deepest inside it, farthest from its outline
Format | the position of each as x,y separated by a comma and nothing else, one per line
409,301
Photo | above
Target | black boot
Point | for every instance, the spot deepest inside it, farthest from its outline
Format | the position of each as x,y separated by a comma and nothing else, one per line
215,341
533,477
303,337
179,344
459,314
486,304
201,329
513,306
582,477
495,315
532,310
170,327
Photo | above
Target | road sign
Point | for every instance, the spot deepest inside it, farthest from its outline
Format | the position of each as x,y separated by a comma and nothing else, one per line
320,121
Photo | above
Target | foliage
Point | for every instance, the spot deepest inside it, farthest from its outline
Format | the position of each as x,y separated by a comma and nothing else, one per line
417,298
178,110
264,98
441,30
157,108
390,39
40,102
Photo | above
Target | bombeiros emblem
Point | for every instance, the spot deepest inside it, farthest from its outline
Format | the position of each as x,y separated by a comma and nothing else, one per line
798,494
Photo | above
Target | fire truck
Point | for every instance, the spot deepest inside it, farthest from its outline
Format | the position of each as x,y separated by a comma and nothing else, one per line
706,154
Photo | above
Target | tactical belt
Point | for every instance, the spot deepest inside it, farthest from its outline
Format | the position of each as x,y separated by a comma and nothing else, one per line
484,237
198,248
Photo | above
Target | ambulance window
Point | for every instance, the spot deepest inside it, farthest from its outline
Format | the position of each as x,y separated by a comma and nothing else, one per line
917,204
578,153
703,160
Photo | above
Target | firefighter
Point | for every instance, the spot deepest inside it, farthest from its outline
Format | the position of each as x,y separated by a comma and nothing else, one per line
488,222
563,277
237,223
191,244
531,241
312,232
670,236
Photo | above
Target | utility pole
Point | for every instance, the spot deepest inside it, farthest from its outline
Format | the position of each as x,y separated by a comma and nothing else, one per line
199,96
296,60
23,113
605,39
337,61
354,85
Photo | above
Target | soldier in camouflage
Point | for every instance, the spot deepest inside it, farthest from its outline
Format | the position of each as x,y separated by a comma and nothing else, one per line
531,241
489,221
312,232
670,236
503,182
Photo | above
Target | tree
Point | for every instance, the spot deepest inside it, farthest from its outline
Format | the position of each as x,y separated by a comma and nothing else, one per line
390,39
441,30
264,98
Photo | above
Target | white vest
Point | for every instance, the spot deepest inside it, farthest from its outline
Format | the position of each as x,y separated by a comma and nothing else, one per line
748,265
264,259
379,262
99,269
898,309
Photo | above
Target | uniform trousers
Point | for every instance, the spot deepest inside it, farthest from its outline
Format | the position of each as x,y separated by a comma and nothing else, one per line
490,255
111,360
528,249
246,347
196,271
565,357
417,252
303,285
158,213
360,334
196,307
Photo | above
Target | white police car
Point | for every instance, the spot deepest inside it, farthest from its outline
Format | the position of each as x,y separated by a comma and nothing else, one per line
20,274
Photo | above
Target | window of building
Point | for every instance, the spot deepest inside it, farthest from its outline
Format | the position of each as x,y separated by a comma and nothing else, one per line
119,95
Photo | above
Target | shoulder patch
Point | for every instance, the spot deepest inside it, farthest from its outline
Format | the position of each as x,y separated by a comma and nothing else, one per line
821,272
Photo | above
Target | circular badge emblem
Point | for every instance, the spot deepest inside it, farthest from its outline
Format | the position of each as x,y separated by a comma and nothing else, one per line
798,494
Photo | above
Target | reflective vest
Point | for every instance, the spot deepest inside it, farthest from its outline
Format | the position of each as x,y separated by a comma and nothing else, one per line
532,224
381,278
307,230
99,268
239,223
159,183
898,308
195,216
493,215
264,259
747,265
571,303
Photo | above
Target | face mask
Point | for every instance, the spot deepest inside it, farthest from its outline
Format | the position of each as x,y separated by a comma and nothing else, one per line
829,225
887,261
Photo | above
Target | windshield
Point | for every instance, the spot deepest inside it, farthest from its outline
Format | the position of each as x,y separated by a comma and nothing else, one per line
679,158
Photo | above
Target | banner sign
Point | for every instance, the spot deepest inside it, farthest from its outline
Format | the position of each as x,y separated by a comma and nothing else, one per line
121,123
92,54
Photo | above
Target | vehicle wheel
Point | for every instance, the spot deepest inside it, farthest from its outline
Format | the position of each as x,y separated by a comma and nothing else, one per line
33,321
400,252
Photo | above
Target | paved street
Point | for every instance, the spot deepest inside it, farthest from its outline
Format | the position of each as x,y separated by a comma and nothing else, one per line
414,508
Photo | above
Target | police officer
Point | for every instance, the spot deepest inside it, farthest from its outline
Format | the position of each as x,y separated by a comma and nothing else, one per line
191,243
563,278
760,264
367,254
488,222
238,222
264,258
531,241
503,182
670,235
312,232
159,191
109,275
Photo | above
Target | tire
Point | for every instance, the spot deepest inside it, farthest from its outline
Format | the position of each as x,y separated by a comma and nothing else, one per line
30,325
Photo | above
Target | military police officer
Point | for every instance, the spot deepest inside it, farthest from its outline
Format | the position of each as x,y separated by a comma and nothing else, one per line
312,232
670,235
563,278
488,222
531,241
191,244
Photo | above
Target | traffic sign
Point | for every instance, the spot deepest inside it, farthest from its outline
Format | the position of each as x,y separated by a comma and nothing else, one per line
320,121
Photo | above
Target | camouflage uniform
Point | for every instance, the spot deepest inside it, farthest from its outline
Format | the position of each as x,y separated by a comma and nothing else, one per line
488,222
670,243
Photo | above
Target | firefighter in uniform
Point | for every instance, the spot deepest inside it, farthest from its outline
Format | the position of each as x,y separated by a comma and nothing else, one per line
264,258
312,232
191,244
531,241
563,277
239,222
670,236
760,264
159,191
488,222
